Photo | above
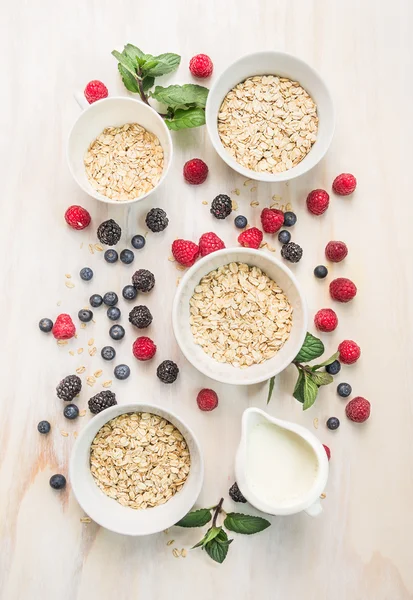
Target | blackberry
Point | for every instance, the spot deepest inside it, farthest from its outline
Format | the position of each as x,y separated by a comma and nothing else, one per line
127,256
167,371
333,423
344,390
321,271
101,401
156,220
117,332
71,411
57,482
85,315
290,219
113,313
43,427
108,353
69,387
96,300
140,316
45,325
284,236
86,274
333,368
143,280
235,493
138,242
109,232
292,252
110,299
111,256
121,371
129,292
221,206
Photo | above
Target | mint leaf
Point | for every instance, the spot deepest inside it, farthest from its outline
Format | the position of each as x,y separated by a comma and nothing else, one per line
299,387
147,83
196,518
184,119
180,96
133,52
311,349
166,63
212,533
129,81
327,362
247,524
217,548
270,389
148,62
321,378
310,391
126,62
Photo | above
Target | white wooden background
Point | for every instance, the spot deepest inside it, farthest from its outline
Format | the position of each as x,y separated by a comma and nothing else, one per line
360,548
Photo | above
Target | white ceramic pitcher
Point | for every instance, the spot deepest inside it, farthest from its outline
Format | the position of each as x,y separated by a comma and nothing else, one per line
308,501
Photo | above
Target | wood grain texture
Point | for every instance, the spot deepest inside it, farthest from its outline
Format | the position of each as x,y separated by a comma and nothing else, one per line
359,549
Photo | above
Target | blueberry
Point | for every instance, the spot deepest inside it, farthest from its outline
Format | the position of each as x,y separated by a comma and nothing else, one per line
129,292
110,299
284,236
43,427
138,241
290,219
321,271
85,315
121,371
333,368
116,332
240,222
113,313
45,325
108,353
344,390
95,300
57,482
333,423
111,256
86,274
71,411
127,256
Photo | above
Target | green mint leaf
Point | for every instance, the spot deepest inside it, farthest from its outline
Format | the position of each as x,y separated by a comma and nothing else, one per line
310,391
270,389
247,524
181,96
321,378
129,81
212,533
166,63
196,518
185,119
217,548
147,82
299,387
133,52
311,349
126,62
327,362
148,62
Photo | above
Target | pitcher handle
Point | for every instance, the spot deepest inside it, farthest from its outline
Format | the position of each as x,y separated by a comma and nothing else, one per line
315,509
81,100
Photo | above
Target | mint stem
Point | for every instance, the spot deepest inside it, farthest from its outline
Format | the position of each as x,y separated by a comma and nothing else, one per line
217,511
141,92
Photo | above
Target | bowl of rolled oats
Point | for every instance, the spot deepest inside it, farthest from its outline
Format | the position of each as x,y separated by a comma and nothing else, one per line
136,469
119,150
239,316
270,116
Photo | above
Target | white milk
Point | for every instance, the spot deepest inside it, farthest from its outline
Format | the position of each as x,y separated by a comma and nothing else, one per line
281,466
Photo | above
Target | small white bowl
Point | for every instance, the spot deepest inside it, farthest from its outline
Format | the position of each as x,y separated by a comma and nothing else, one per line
113,112
108,512
223,372
285,65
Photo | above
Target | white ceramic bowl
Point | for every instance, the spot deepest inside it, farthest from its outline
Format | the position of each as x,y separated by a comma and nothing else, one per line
113,111
226,373
108,512
273,63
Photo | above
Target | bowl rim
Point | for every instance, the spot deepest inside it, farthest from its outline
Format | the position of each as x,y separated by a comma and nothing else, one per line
177,301
107,415
227,158
93,193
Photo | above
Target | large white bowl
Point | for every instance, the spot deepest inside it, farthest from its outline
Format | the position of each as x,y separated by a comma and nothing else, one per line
285,65
226,373
108,512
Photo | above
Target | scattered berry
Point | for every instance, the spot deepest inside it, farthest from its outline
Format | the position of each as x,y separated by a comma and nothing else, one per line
336,251
209,242
86,274
108,353
185,252
333,423
57,482
143,280
201,66
110,299
321,272
111,256
71,411
45,325
143,348
95,90
344,184
272,220
113,313
240,222
85,315
140,316
221,206
167,371
109,232
117,332
344,390
250,238
43,427
77,217
63,328
69,388
207,400
96,300
284,236
121,372
342,289
138,242
333,368
235,493
318,201
129,292
358,409
127,256
292,252
328,451
349,352
326,320
290,219
195,171
156,220
102,401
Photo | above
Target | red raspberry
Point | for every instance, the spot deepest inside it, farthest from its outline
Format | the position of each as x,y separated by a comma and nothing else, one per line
344,184
77,217
95,90
185,252
326,320
63,328
318,201
250,238
201,66
143,348
207,399
342,289
210,242
272,220
328,451
336,251
349,352
195,171
358,409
